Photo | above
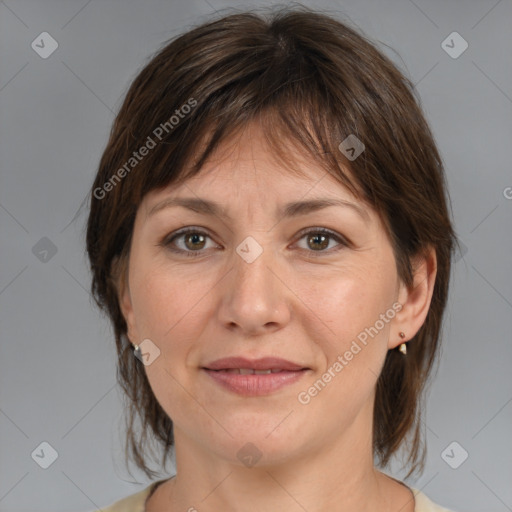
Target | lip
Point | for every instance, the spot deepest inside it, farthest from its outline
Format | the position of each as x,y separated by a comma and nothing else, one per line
263,363
254,384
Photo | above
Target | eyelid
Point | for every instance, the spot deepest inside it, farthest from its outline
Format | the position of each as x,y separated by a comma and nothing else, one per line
326,231
168,239
340,239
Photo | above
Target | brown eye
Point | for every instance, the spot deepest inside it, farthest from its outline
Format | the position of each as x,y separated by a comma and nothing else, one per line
194,241
189,242
318,241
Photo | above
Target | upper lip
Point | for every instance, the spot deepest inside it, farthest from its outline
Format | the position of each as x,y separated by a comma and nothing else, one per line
264,363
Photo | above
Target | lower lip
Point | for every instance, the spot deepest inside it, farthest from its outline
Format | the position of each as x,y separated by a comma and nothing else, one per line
255,384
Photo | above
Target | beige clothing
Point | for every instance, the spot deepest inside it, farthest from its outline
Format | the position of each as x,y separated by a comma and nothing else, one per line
136,502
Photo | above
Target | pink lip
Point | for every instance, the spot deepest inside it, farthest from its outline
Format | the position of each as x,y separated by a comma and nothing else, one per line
257,384
264,363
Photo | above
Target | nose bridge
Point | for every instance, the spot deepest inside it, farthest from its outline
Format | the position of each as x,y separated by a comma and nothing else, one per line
256,299
252,261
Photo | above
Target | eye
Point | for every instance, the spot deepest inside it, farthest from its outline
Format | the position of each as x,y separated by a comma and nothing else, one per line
194,240
318,239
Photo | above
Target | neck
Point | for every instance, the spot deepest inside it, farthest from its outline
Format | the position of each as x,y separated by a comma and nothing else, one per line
334,474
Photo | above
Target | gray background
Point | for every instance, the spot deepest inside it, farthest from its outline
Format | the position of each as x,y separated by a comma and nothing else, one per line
57,364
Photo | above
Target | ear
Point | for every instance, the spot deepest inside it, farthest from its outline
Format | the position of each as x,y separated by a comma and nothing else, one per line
415,300
120,276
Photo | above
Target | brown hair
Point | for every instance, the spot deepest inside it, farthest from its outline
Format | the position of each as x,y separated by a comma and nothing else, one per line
313,81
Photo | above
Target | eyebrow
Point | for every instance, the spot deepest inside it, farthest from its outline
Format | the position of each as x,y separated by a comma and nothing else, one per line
289,210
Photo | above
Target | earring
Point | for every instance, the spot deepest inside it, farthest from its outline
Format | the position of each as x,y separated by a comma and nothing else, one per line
403,346
137,352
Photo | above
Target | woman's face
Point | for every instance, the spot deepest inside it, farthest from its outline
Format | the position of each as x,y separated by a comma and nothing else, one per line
256,280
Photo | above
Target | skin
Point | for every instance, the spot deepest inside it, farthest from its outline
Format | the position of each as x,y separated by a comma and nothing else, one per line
298,301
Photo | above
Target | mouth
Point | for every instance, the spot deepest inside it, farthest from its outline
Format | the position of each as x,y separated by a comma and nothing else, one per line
265,364
254,377
251,371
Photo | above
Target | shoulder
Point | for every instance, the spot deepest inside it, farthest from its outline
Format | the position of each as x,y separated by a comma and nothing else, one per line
424,504
133,503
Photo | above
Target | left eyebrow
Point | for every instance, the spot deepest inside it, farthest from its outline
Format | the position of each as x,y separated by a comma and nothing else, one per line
289,210
304,207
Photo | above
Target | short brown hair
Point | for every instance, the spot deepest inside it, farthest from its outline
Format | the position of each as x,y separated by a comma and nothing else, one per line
313,81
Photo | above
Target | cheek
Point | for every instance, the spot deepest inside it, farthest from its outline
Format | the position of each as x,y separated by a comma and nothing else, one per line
348,316
167,301
342,323
169,310
346,301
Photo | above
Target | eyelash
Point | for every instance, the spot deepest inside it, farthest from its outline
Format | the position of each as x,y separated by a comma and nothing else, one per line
167,241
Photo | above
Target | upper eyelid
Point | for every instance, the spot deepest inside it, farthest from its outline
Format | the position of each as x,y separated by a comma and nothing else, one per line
341,239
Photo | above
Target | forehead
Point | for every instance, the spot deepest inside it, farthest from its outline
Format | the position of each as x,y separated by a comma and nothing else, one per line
245,165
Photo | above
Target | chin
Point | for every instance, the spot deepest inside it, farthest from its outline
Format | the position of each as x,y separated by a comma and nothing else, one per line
259,443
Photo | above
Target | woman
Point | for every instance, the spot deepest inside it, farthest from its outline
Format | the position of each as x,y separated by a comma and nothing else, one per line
269,235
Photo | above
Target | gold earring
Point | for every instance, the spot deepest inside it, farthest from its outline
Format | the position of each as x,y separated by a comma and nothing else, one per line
403,346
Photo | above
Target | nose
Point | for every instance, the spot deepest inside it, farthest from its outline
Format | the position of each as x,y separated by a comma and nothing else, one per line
255,299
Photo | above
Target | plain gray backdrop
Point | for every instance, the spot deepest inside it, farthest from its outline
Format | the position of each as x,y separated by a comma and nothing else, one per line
57,364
